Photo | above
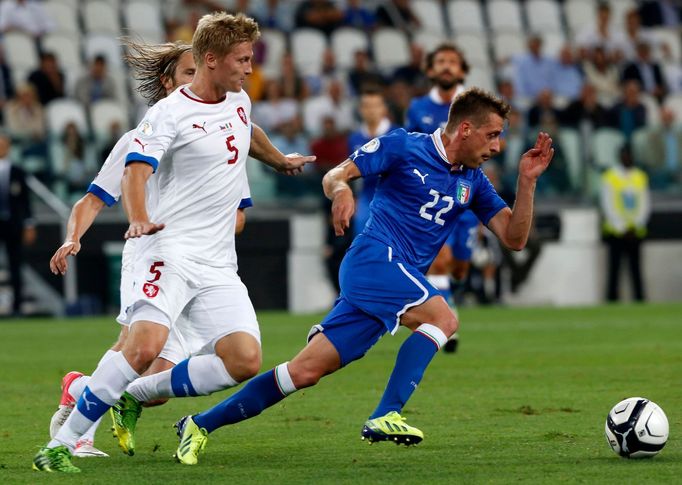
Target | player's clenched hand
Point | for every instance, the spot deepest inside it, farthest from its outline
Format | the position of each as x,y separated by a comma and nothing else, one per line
139,229
536,160
295,163
343,208
58,264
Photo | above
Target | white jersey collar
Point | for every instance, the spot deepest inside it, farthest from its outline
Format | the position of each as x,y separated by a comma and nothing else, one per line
435,97
382,129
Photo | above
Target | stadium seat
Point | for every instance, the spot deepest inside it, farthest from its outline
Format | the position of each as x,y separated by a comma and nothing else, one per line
307,47
345,42
475,48
606,143
618,10
674,103
481,77
504,16
572,150
275,46
508,44
67,49
465,16
579,15
428,40
653,111
430,15
64,15
107,45
543,16
100,17
20,51
390,49
640,147
552,42
103,113
143,19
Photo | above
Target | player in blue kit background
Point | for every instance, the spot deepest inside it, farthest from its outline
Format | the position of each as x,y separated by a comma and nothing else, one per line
426,182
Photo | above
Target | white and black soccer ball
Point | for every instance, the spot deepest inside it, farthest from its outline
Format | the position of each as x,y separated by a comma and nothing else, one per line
636,428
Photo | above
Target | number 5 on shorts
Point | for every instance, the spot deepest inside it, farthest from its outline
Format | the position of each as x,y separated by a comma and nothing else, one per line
149,288
153,270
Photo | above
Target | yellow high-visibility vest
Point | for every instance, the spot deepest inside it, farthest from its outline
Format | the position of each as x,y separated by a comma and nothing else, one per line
628,192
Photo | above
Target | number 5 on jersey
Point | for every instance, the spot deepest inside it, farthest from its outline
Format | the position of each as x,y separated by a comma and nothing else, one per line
232,149
149,288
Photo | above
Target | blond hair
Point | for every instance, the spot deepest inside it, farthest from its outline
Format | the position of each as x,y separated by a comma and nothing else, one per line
219,32
152,64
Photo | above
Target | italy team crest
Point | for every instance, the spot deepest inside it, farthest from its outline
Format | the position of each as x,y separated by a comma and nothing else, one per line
463,192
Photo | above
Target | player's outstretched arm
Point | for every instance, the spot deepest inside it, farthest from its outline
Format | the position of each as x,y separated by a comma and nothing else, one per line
337,189
81,218
133,195
263,150
513,226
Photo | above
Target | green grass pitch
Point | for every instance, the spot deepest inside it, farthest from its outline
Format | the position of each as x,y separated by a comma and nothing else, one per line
523,400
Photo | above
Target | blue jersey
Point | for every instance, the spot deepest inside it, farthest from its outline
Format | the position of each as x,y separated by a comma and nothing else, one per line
420,197
425,115
463,238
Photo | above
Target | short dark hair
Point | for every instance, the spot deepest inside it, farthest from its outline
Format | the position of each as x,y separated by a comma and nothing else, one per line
475,105
371,90
447,47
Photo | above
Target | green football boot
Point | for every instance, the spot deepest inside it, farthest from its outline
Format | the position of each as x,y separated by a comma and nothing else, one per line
124,415
391,427
54,460
192,441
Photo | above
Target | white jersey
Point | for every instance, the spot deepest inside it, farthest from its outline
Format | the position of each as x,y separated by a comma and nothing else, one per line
198,151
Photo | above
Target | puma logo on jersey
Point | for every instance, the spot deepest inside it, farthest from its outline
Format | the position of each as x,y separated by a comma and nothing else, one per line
420,175
199,127
142,145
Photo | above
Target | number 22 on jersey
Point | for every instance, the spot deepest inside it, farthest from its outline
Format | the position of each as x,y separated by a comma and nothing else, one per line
423,211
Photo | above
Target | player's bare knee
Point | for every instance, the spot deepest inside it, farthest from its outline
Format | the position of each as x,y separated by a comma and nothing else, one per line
449,324
244,366
305,376
141,356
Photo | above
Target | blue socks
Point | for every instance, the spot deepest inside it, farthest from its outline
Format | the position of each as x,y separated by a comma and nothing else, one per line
414,356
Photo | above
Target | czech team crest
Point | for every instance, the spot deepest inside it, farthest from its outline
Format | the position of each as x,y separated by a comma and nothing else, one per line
463,192
150,290
242,115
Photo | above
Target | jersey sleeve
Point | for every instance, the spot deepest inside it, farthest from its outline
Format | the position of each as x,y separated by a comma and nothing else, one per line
152,137
107,183
486,202
378,155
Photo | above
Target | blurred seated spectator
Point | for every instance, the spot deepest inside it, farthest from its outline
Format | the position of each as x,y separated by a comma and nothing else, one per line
413,73
330,148
322,15
398,98
328,71
363,74
398,14
96,84
634,35
254,84
567,79
515,145
647,72
289,138
74,169
359,16
629,114
533,70
25,16
6,82
274,14
543,115
48,79
672,70
662,153
334,103
293,84
603,74
602,34
115,133
275,109
182,27
585,113
661,13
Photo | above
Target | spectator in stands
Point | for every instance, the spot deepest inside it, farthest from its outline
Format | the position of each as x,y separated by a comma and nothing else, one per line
413,73
533,70
25,121
16,226
24,16
626,207
398,14
6,82
115,133
634,34
96,84
322,15
567,79
647,72
331,147
48,79
399,99
629,114
293,84
543,115
358,16
602,34
585,113
274,14
289,138
275,109
363,74
334,104
662,153
75,172
328,71
661,13
601,73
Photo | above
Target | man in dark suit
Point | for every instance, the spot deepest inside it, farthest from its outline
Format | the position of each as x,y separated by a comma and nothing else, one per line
16,226
647,72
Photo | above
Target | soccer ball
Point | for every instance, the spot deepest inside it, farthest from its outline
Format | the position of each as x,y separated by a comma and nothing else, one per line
636,428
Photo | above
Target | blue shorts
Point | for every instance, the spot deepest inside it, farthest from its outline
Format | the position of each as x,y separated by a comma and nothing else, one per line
462,240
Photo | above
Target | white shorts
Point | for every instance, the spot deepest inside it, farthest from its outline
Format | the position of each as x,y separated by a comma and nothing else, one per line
203,302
